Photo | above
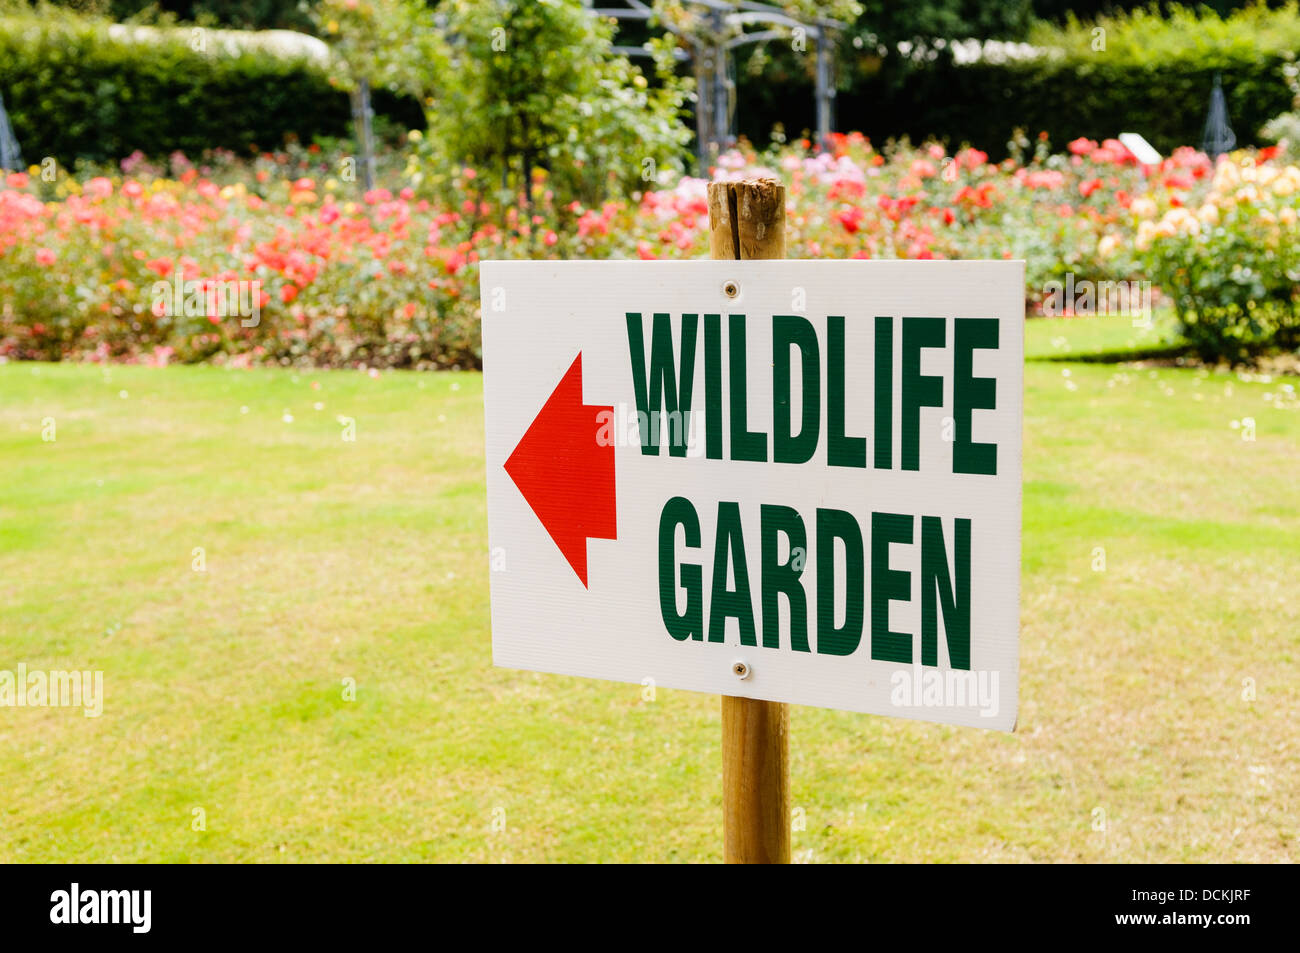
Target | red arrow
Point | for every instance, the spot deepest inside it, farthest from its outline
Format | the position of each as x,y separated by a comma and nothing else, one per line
565,474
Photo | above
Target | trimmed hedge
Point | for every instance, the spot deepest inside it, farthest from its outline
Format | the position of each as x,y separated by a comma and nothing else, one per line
1139,72
73,92
240,14
983,104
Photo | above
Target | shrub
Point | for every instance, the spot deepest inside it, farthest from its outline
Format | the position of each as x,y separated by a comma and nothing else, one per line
1230,261
73,91
536,86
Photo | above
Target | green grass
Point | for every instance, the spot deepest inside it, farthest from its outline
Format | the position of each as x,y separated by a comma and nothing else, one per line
1094,338
329,560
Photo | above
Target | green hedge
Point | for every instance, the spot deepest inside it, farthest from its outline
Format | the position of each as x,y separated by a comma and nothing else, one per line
1153,76
984,103
73,92
239,14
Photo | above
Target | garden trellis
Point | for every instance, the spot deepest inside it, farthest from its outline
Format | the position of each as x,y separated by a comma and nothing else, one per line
710,54
1218,137
11,155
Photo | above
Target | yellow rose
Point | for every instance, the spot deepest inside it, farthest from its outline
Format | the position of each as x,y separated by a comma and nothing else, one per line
1146,232
1283,186
1287,216
1226,176
1208,214
1143,207
1107,245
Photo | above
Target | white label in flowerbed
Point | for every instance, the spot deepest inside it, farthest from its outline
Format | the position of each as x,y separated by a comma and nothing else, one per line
791,480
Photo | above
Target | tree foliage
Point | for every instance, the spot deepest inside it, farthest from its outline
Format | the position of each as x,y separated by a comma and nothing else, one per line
534,84
522,90
395,44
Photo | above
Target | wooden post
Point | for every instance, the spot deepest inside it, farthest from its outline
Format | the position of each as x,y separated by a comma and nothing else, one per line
747,220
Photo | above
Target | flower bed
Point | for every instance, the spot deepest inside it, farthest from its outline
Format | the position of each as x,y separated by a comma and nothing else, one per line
275,260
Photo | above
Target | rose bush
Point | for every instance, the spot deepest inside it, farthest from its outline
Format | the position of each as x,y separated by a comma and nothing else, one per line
389,278
1228,257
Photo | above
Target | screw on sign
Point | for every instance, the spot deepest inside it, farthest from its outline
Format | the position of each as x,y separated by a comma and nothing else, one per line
776,481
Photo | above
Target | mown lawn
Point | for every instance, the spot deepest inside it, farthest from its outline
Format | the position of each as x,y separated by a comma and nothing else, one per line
329,560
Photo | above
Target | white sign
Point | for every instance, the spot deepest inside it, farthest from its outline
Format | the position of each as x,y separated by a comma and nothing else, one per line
789,480
1142,150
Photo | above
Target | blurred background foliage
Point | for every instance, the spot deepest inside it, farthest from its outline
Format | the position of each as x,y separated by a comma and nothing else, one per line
1103,67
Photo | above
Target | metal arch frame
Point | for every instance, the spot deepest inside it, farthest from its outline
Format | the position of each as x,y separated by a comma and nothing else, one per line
715,90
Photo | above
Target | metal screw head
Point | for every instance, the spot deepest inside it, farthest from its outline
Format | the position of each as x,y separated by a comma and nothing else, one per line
731,289
740,669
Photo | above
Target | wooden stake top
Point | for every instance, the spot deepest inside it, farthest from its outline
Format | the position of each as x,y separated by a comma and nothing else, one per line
747,219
